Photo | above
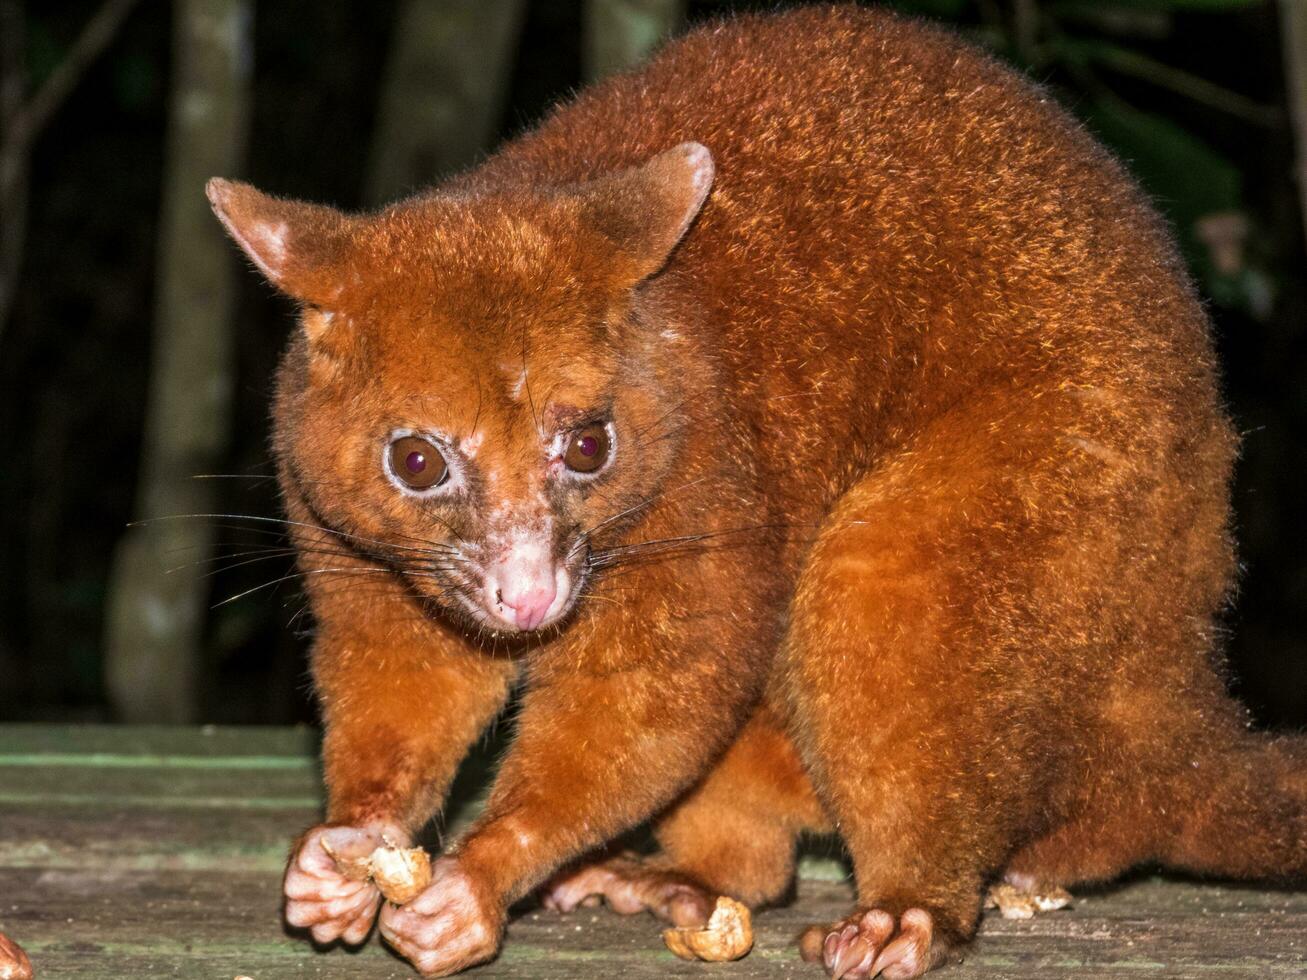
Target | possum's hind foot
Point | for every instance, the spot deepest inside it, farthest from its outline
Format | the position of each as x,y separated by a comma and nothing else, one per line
1020,896
871,943
629,885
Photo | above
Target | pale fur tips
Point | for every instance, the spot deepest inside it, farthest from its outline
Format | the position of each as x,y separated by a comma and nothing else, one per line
680,180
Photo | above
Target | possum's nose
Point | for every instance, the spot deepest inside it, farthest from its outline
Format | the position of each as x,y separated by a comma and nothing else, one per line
528,610
526,589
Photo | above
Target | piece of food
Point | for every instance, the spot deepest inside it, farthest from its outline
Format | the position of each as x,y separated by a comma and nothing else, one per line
728,935
1015,903
402,873
14,964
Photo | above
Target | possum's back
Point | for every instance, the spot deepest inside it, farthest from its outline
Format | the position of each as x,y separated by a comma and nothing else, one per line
896,218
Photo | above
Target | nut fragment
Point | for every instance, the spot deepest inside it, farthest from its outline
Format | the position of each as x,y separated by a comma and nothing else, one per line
14,964
1017,903
402,873
728,936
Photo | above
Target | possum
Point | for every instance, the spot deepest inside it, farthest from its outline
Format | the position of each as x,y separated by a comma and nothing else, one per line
819,430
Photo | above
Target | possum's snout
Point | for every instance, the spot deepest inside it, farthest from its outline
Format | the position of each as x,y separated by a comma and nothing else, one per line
527,588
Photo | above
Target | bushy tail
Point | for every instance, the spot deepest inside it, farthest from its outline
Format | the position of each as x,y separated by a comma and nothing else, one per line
1246,811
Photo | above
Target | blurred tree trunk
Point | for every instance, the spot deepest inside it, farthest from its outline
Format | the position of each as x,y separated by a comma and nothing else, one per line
13,164
444,91
1293,21
155,619
22,119
622,33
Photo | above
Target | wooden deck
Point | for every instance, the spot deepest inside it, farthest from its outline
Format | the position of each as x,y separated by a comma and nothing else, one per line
134,852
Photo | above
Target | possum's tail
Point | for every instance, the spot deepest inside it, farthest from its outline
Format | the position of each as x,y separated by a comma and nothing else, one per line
1245,811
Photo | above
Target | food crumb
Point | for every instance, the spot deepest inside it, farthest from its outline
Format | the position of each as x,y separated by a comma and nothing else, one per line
728,935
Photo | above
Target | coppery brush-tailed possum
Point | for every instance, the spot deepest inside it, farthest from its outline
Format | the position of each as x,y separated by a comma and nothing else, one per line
821,430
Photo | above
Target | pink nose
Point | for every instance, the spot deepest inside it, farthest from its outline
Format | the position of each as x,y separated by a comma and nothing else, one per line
527,609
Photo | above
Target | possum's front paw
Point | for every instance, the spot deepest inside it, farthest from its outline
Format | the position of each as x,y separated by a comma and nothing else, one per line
455,923
871,944
320,895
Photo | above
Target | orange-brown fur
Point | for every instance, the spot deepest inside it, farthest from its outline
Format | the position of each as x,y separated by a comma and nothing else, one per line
928,375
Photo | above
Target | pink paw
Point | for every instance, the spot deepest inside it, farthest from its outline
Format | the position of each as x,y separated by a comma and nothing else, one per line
630,885
452,925
322,899
870,944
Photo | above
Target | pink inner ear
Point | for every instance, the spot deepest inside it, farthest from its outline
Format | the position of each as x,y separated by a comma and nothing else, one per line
299,247
266,245
263,242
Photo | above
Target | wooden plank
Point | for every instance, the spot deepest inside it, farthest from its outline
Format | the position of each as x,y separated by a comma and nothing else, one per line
166,787
113,841
212,924
157,740
118,864
145,798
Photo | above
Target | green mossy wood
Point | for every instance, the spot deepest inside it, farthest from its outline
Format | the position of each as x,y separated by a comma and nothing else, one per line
157,852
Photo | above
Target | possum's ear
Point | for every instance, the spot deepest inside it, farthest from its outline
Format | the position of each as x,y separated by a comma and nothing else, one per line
299,247
646,210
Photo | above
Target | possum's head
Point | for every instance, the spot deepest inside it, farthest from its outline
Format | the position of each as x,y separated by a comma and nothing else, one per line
476,385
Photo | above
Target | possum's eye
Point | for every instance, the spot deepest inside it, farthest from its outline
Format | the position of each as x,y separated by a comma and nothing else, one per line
417,463
587,450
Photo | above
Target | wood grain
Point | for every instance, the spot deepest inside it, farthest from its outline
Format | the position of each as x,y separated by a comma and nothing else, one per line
135,852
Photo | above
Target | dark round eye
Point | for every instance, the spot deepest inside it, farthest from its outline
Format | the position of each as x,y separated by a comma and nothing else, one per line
588,449
417,462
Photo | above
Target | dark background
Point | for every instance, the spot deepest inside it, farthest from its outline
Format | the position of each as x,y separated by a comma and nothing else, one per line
1190,92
